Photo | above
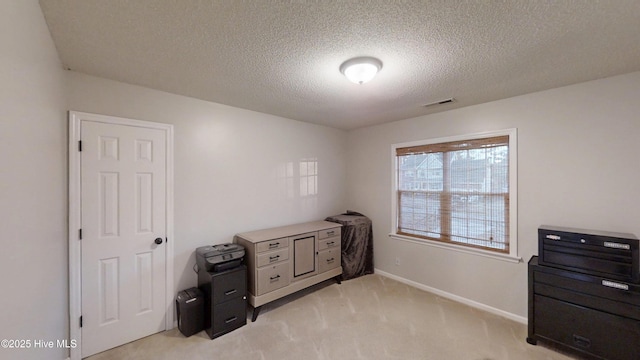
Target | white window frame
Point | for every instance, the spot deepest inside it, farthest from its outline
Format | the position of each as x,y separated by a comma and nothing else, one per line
512,256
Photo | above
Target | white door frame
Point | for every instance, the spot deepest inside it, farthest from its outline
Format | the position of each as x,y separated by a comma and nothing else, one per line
75,223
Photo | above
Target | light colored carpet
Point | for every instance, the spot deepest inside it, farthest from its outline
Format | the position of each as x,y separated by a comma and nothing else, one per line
371,317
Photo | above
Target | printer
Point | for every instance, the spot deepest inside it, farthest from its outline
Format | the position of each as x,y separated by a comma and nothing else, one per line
217,258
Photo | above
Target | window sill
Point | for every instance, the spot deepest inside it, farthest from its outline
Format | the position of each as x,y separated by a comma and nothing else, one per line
462,249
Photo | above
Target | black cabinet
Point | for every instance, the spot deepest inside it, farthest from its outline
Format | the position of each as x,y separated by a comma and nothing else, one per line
225,300
595,316
600,253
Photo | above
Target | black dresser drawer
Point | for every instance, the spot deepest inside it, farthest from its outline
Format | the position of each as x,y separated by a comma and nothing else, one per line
587,330
611,255
615,297
230,285
229,316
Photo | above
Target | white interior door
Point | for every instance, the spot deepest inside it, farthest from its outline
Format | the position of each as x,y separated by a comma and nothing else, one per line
123,214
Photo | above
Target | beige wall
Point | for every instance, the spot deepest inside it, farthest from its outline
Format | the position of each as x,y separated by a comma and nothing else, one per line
230,164
577,167
33,184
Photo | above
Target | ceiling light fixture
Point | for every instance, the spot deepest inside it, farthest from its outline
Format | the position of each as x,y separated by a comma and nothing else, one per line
361,69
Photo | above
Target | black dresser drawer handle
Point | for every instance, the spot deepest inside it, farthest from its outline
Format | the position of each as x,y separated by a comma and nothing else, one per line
331,232
274,258
615,285
274,245
330,260
331,243
581,341
231,292
274,278
230,320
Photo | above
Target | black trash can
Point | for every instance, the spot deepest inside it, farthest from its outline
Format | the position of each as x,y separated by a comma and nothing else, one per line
190,311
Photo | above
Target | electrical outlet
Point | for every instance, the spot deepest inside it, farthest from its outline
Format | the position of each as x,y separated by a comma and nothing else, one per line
397,261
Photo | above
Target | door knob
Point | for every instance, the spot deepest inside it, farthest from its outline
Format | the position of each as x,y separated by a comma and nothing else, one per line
158,241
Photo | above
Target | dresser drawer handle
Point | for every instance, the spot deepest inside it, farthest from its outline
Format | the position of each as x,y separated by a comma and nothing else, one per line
581,341
615,285
274,245
330,260
230,320
330,243
331,232
231,292
274,278
274,258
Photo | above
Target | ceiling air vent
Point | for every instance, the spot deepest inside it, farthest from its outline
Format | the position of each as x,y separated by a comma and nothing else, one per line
445,101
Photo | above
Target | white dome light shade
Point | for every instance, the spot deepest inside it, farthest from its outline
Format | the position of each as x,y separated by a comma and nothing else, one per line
361,69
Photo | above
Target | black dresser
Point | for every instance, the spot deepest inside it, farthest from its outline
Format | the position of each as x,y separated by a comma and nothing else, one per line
585,297
225,295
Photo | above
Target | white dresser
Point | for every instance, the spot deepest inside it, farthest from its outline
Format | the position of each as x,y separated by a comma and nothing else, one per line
287,259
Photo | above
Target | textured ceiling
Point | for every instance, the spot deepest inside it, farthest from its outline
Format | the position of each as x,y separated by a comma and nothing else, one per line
282,57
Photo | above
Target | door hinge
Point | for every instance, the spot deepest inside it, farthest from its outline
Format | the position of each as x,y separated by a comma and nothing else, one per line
80,321
80,233
80,145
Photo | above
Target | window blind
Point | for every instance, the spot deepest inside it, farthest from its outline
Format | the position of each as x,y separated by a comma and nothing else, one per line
455,192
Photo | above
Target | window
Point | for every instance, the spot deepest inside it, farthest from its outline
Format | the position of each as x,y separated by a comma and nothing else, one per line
465,194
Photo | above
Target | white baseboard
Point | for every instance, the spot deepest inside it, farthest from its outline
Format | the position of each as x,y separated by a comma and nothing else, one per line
460,299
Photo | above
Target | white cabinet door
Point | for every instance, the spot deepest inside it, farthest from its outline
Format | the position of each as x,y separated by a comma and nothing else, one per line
304,256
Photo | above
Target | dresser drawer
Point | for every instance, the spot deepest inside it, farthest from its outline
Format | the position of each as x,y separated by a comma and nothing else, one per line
272,245
590,301
620,292
272,277
328,259
323,234
610,255
228,316
331,242
272,257
594,332
229,285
